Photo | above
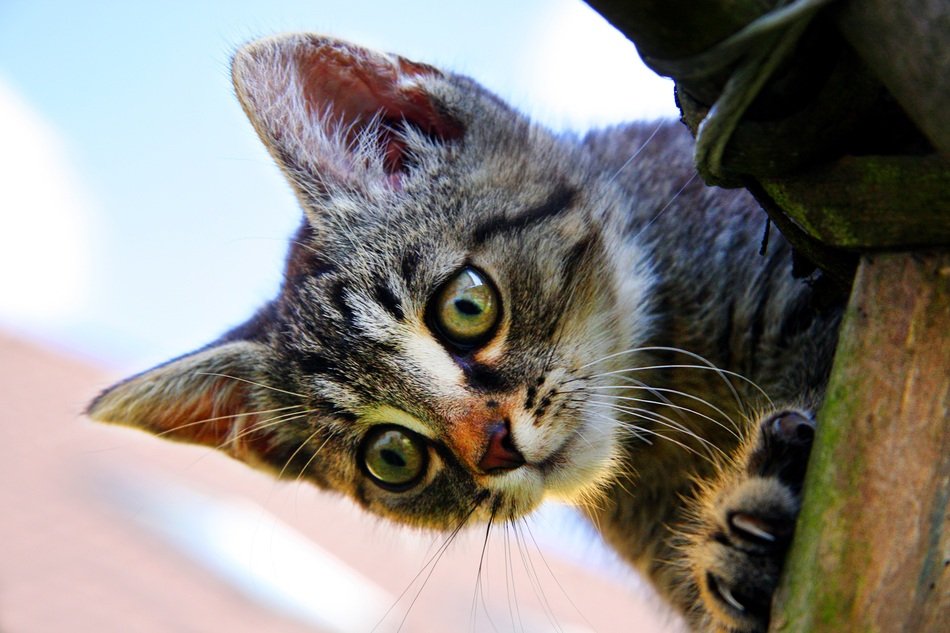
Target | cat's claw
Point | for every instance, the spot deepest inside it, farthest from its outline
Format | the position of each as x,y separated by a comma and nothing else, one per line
753,527
748,526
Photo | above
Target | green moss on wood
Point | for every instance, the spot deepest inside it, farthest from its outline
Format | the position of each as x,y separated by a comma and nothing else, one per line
871,202
875,525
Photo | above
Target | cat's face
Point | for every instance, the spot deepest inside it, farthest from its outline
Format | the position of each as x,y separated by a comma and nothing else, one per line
437,351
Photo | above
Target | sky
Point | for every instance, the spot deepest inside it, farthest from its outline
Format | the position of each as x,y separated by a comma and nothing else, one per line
140,217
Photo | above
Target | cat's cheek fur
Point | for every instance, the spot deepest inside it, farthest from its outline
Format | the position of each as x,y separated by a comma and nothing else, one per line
586,463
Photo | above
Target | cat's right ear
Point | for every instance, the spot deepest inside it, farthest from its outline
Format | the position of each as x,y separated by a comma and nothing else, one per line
330,112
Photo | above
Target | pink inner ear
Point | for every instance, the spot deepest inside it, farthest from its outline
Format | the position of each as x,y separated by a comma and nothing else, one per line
207,416
356,84
215,415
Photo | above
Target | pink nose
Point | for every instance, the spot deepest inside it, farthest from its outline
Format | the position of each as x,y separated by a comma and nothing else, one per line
501,454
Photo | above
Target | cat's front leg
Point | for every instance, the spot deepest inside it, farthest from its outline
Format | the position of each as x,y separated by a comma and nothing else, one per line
745,525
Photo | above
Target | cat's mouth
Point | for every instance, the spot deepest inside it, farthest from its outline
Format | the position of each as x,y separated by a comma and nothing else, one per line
575,469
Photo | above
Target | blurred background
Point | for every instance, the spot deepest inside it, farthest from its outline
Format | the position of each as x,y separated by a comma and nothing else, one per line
140,217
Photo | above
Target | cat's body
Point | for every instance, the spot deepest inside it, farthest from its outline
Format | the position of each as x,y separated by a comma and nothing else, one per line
470,315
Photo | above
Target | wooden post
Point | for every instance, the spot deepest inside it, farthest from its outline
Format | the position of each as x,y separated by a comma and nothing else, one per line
872,548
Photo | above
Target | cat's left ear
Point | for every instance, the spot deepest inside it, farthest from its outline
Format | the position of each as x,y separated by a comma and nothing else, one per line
211,397
331,113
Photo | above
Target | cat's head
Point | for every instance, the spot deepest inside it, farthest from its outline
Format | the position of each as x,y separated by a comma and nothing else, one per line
448,302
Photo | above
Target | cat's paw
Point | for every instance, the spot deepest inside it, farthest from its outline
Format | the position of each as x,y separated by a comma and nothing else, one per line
747,523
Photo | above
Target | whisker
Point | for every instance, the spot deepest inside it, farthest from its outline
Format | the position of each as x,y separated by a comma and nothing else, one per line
637,429
224,417
479,589
718,370
553,576
533,577
251,382
430,565
709,364
666,206
637,384
642,147
653,416
511,572
265,424
674,406
712,365
627,426
313,456
631,383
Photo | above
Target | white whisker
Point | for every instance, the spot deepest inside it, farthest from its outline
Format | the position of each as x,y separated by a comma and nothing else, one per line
224,417
653,416
718,370
268,423
658,391
678,407
250,382
303,469
707,364
642,147
669,203
637,429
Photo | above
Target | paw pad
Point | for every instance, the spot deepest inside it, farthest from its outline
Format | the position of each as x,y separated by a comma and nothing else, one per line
792,426
784,442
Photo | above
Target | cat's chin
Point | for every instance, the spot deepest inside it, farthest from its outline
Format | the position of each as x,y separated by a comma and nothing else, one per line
579,471
514,494
582,477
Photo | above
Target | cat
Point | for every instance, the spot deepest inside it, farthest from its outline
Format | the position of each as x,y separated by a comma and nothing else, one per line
477,314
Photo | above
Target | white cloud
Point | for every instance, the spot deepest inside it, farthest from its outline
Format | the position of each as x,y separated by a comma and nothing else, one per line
45,221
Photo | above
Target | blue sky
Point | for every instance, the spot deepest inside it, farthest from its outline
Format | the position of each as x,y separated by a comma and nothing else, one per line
140,216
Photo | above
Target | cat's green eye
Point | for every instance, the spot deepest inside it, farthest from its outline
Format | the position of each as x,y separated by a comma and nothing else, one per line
466,309
394,458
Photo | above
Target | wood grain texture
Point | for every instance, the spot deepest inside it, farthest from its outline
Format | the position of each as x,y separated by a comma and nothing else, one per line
906,45
872,550
870,202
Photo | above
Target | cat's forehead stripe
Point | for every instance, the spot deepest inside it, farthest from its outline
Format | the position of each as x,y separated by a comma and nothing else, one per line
557,203
410,261
338,296
388,299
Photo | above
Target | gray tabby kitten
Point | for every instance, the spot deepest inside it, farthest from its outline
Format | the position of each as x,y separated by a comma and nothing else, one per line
477,315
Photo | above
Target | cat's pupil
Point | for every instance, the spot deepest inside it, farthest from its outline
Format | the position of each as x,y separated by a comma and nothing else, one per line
393,458
467,307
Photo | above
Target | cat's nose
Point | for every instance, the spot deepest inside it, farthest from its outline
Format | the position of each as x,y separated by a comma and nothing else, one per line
501,455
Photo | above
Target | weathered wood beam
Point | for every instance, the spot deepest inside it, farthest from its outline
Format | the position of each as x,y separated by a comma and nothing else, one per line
810,110
870,202
872,547
907,44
